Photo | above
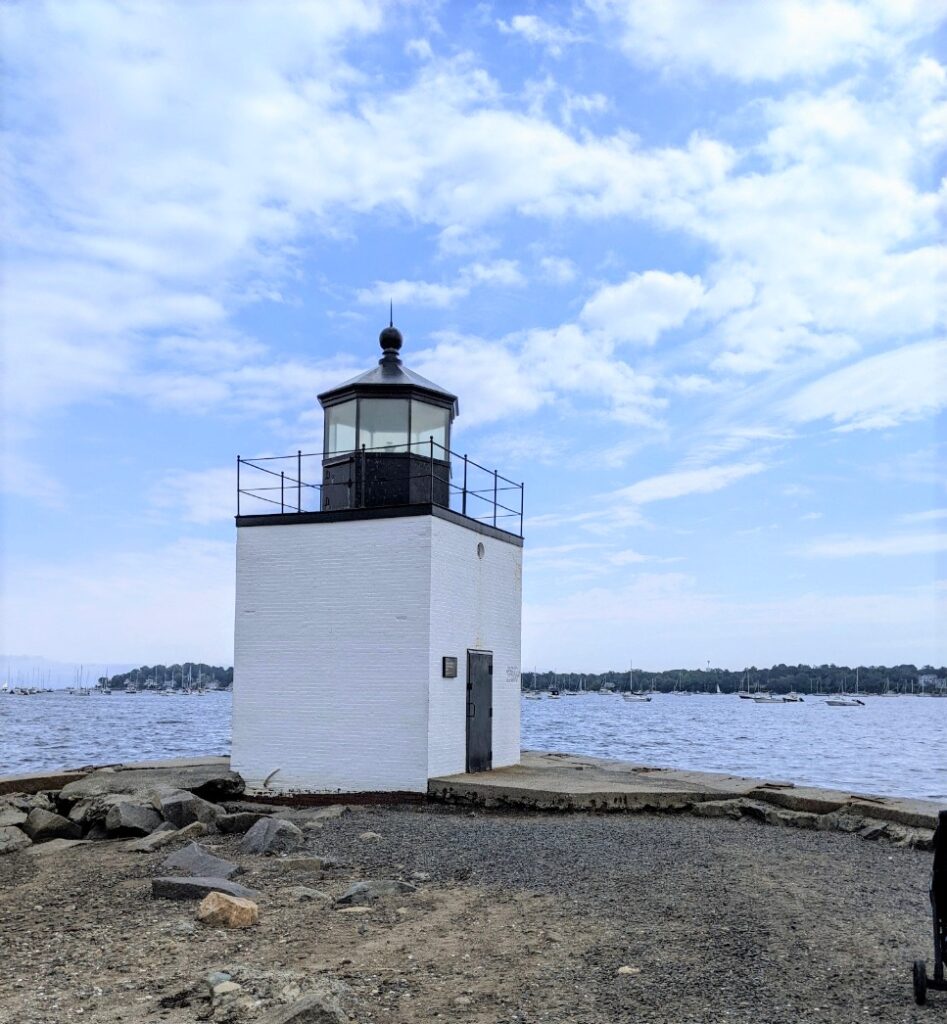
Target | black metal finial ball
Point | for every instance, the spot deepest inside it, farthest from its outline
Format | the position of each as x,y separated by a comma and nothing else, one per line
390,338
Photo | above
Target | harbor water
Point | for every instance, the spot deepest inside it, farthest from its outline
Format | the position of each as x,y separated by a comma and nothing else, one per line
892,745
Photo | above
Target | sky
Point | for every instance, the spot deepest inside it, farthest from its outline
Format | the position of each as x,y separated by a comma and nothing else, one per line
682,261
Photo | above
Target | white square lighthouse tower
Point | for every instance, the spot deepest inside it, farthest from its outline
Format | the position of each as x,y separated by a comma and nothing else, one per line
377,632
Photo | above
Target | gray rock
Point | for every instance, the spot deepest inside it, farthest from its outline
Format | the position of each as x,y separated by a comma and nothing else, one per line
225,992
873,831
27,801
128,819
250,806
44,825
325,813
312,863
178,887
182,807
306,894
315,1008
94,810
239,821
272,836
56,846
166,834
211,781
12,839
373,889
215,978
11,816
195,859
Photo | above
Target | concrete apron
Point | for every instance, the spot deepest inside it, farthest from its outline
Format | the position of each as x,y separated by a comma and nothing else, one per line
567,782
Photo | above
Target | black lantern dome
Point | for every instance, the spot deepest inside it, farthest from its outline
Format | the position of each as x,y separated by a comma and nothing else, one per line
387,436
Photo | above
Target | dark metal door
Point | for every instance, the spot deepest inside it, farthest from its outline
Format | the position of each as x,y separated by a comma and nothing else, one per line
479,711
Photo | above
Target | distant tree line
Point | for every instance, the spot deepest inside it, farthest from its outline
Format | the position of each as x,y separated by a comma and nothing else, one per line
777,679
171,677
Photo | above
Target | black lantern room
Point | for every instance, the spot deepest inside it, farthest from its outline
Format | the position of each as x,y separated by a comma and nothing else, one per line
387,437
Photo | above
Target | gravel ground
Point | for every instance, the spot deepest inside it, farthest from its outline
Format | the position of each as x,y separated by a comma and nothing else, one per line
523,918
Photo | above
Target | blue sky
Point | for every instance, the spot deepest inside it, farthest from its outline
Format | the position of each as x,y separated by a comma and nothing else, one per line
681,260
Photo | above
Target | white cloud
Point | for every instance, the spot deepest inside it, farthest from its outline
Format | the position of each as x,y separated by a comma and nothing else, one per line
629,557
553,38
928,516
643,306
657,616
558,269
412,293
497,273
163,604
748,41
891,546
689,481
198,496
907,383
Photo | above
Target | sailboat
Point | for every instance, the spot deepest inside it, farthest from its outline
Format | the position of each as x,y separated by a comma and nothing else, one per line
631,695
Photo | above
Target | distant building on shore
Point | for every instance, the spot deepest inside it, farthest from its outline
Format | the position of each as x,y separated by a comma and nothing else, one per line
377,632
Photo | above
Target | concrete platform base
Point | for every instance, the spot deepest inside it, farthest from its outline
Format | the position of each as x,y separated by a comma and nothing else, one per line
568,782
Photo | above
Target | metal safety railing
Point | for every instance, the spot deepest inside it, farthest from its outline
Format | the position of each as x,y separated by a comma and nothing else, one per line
283,484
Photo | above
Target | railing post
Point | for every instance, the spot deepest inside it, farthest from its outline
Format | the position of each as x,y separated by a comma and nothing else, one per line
431,439
238,485
522,491
361,481
494,497
299,479
464,501
282,503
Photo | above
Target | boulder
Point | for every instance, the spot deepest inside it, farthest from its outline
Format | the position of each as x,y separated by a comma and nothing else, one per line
212,780
44,825
95,809
321,1007
181,808
164,835
56,846
239,821
177,887
272,836
370,837
372,889
195,859
11,816
130,819
223,911
12,839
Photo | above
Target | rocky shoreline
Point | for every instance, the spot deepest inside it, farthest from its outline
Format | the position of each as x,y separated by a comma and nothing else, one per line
164,894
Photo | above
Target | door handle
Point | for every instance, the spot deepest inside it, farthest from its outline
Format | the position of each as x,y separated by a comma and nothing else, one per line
471,713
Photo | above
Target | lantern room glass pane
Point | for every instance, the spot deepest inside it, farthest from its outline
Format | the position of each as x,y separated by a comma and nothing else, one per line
429,421
383,423
340,428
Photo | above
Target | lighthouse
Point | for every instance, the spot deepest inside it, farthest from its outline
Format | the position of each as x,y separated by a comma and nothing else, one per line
378,599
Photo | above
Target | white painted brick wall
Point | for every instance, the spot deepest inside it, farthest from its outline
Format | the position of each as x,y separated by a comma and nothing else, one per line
339,633
330,649
476,604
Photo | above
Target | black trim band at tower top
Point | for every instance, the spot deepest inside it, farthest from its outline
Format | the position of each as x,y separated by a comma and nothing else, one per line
394,512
